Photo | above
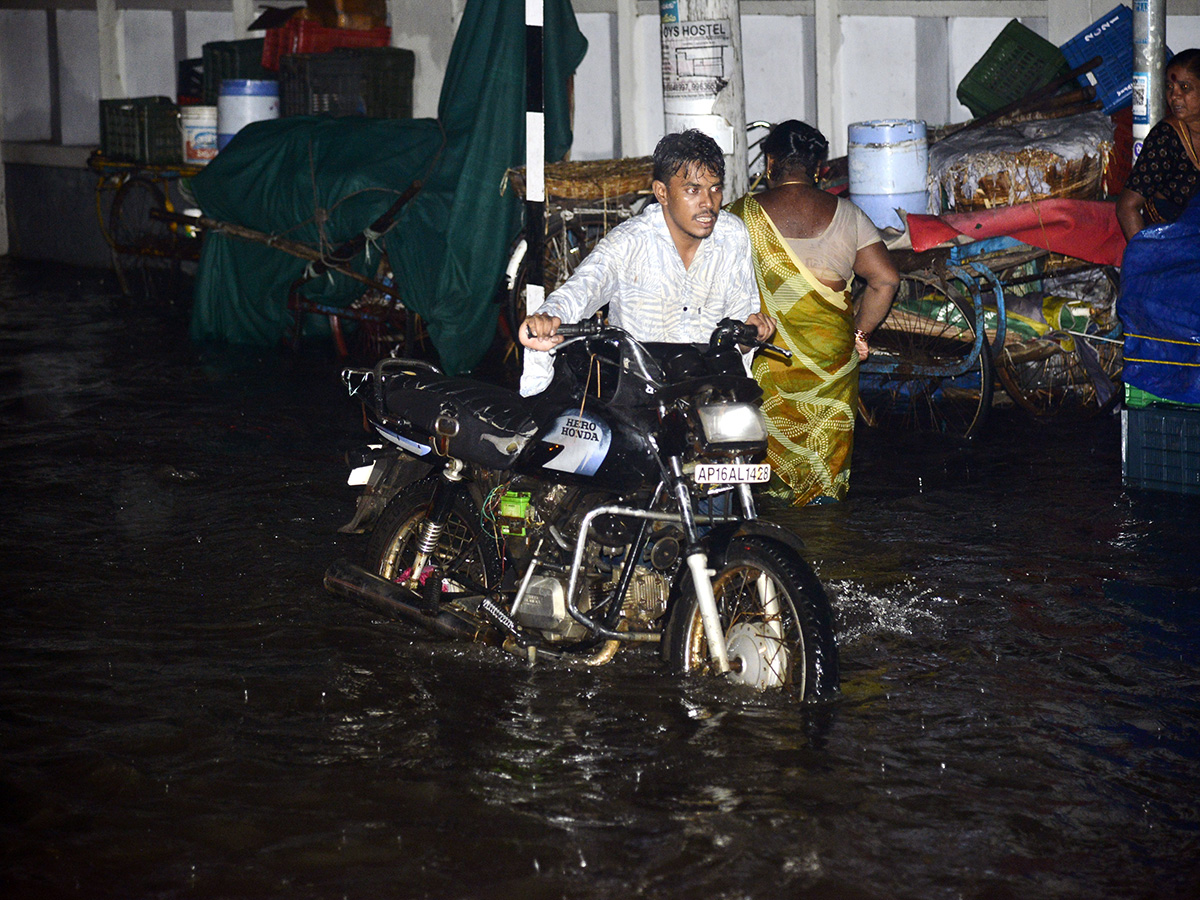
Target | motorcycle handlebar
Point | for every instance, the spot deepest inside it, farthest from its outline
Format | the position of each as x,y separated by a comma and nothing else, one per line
581,329
729,332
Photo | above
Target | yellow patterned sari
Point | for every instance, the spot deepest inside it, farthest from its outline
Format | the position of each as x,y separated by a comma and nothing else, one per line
810,400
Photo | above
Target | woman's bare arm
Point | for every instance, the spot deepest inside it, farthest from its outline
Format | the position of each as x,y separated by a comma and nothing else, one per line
874,265
1129,212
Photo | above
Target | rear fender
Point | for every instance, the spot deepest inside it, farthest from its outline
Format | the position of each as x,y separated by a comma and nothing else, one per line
392,473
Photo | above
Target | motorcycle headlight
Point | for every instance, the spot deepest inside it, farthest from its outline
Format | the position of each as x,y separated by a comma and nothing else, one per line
732,423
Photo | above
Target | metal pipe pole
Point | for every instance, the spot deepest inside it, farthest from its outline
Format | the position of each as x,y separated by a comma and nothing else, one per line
1149,67
703,85
535,154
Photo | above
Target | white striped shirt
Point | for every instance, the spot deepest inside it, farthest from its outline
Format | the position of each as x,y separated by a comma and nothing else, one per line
637,270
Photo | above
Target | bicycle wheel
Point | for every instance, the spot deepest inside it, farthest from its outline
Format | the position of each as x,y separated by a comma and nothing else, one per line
569,238
133,229
756,133
1049,377
924,373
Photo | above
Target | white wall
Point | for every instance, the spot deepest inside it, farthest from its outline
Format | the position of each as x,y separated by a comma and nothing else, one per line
1183,32
595,90
892,66
879,66
24,75
78,84
779,85
205,27
427,28
151,71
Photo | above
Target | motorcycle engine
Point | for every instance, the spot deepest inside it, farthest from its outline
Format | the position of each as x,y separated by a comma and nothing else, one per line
529,514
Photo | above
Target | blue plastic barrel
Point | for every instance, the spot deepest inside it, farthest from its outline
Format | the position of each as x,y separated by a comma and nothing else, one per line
888,161
242,101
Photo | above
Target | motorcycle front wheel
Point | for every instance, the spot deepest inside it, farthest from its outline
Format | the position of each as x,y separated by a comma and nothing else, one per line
465,557
777,620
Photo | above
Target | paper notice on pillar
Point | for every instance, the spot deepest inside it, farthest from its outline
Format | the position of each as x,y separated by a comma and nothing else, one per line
696,60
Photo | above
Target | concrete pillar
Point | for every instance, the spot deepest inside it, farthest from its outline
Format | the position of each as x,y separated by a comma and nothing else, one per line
626,78
702,78
828,27
3,192
110,25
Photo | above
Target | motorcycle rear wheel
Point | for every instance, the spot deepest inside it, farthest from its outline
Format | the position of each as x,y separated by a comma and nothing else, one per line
464,549
777,619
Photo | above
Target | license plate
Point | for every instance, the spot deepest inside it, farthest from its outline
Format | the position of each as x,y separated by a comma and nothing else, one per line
733,473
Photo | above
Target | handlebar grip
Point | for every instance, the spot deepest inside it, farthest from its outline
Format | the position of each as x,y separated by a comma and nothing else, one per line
580,329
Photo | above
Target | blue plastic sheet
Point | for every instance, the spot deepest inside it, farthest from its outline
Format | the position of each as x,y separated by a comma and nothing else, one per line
1159,307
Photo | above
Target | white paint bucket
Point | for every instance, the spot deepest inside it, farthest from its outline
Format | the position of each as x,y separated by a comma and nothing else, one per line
888,161
242,101
198,125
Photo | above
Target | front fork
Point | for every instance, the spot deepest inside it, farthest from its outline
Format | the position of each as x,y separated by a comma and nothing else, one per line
697,563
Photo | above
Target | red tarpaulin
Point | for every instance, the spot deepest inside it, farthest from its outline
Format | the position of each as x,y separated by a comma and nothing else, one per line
1084,229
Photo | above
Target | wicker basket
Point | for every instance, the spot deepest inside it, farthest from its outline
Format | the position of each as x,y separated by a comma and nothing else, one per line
592,179
1007,165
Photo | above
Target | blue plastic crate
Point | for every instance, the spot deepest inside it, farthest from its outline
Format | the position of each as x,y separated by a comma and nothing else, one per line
1111,38
1160,449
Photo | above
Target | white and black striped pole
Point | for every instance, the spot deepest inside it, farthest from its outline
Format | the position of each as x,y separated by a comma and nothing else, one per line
535,156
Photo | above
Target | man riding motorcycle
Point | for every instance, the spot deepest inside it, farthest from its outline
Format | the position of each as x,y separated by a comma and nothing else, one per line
668,275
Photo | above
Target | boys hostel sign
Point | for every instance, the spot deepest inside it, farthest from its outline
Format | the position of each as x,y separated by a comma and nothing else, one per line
697,64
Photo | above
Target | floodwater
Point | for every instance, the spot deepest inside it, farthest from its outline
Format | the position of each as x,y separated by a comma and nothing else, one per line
185,713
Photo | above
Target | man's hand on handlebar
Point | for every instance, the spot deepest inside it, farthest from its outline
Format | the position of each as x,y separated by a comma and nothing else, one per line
540,332
764,323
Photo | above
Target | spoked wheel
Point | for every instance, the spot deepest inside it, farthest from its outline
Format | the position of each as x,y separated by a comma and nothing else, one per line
138,237
925,372
1073,375
569,238
777,620
465,558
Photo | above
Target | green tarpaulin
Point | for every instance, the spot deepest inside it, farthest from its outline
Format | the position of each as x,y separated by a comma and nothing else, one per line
320,181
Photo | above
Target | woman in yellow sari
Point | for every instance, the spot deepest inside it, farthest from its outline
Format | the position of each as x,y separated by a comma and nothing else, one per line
808,247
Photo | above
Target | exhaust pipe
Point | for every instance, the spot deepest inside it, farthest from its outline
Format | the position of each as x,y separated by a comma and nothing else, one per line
396,601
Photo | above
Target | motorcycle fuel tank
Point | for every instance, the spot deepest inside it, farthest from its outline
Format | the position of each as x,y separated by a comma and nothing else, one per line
583,447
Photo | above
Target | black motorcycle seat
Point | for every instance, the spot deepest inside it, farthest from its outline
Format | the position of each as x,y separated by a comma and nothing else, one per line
493,423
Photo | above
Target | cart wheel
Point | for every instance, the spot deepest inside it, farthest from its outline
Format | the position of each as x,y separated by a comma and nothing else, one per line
133,230
144,244
923,374
568,240
1049,378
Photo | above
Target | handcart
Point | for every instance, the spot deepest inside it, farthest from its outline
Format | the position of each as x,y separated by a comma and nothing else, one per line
970,315
133,223
381,320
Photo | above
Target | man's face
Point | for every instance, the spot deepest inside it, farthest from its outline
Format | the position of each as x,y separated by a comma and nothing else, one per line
691,201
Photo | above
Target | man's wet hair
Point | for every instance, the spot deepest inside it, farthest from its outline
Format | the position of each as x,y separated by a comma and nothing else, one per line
677,152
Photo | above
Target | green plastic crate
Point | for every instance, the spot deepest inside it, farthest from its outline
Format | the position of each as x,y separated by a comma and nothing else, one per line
231,59
1136,398
1018,61
141,130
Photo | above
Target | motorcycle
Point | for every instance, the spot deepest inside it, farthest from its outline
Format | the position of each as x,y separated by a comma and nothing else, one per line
616,508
